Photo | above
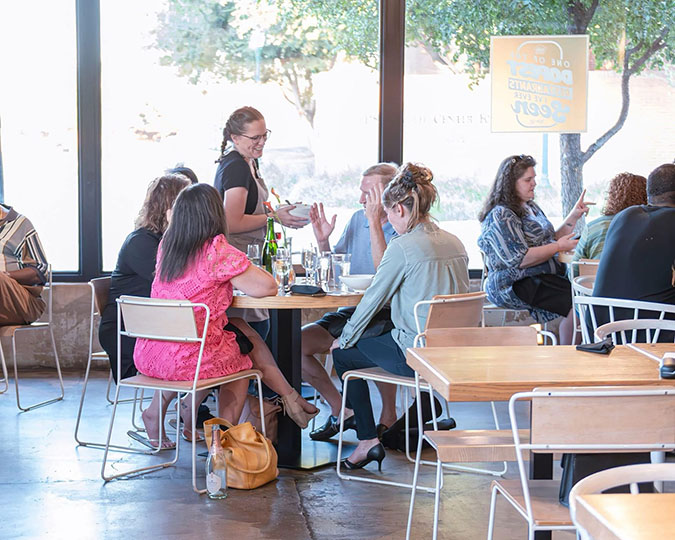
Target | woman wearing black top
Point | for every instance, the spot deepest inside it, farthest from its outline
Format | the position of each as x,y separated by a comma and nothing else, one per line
135,268
243,190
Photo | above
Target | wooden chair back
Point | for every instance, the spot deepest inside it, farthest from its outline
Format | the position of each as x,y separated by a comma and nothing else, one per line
100,288
160,319
475,337
604,416
584,267
455,310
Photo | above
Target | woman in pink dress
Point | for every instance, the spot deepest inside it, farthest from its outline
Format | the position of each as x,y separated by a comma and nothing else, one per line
195,262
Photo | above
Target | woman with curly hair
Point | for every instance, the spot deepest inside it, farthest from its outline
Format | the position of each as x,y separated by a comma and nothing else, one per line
625,190
521,247
421,262
135,267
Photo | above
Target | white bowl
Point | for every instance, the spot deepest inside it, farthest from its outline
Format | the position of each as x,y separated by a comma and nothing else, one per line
358,282
301,211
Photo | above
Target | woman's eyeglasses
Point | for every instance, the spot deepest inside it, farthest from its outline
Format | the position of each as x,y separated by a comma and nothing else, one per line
257,138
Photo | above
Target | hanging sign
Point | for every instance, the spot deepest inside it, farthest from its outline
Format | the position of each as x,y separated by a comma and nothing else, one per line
539,83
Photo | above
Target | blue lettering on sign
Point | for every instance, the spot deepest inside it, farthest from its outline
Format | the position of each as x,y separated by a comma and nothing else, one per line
556,112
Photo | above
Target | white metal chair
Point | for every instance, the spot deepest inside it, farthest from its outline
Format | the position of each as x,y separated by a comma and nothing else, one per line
468,446
617,330
618,476
100,288
581,286
623,420
443,311
631,310
166,320
44,323
584,267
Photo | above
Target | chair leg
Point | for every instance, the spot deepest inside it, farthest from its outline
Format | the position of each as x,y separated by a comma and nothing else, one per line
141,470
493,505
79,410
413,491
107,390
260,403
437,496
16,374
4,371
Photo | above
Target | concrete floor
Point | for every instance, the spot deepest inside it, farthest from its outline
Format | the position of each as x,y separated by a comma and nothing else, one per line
50,488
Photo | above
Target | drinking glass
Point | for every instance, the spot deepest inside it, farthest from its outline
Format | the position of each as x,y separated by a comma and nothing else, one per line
341,264
309,263
282,270
253,254
324,269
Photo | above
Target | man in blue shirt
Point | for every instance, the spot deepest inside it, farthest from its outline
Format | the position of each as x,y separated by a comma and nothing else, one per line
365,237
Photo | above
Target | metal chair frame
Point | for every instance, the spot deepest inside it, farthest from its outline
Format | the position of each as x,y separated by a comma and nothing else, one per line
97,306
606,393
136,329
587,304
405,383
40,324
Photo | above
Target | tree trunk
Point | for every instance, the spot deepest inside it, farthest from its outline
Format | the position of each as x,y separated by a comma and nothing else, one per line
571,170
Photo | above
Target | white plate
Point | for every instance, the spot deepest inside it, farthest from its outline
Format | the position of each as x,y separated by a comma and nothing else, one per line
357,282
301,211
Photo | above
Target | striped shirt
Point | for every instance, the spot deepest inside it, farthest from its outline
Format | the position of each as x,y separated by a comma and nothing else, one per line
20,245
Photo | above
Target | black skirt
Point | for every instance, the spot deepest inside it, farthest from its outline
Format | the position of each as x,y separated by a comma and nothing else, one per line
546,291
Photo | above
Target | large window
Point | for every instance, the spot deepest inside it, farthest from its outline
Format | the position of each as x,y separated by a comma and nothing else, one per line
447,127
38,122
176,72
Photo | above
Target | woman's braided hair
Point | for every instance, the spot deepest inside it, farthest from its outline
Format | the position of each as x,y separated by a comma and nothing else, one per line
236,125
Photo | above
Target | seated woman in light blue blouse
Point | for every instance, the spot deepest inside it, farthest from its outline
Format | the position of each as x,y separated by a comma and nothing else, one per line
521,247
421,262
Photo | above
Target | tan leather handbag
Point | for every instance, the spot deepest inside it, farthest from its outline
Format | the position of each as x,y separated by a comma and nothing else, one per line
251,413
251,458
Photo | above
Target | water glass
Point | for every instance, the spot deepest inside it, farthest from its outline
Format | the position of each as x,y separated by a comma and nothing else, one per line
324,269
341,265
282,274
309,258
253,254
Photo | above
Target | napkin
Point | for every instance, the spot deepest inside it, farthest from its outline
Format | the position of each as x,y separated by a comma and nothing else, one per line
601,347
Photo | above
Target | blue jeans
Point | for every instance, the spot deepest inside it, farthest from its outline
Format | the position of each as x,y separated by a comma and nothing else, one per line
381,351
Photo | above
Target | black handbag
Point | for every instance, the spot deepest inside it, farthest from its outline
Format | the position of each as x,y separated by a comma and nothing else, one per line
578,466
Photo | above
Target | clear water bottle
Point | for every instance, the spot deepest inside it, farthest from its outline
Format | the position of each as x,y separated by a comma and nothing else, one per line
216,467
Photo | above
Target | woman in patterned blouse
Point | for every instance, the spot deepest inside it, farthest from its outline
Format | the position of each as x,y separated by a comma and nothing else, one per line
521,247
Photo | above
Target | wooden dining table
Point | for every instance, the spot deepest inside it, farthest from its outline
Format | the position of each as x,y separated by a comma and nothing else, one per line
495,373
284,340
624,516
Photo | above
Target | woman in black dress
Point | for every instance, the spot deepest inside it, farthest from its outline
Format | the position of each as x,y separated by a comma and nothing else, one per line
135,268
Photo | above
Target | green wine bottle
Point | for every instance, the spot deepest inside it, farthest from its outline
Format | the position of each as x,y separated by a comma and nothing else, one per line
269,247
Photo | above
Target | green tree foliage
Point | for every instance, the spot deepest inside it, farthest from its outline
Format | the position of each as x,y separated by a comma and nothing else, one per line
627,35
220,38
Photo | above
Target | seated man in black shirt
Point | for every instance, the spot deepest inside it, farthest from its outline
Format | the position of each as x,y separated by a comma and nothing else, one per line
638,260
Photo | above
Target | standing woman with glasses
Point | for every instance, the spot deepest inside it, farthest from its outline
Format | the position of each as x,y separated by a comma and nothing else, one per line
239,182
521,247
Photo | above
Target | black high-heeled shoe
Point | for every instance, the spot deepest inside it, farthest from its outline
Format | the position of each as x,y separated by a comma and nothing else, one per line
376,453
331,428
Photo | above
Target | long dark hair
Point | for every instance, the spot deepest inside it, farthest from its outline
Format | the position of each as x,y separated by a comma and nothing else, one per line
198,215
162,192
236,125
411,187
503,191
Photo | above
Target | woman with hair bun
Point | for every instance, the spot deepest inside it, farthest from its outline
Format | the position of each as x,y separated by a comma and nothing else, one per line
421,262
244,191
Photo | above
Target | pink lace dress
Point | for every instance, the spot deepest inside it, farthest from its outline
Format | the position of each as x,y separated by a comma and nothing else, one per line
206,281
